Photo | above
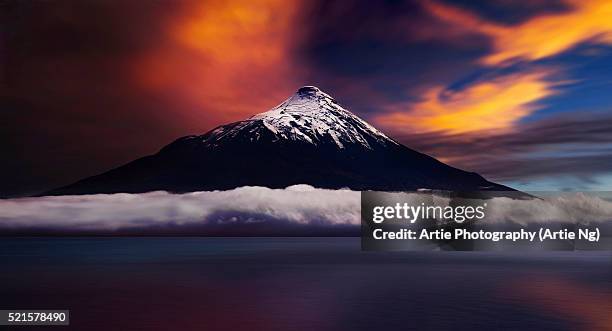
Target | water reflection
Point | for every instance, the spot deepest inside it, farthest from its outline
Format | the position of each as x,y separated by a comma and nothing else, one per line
301,284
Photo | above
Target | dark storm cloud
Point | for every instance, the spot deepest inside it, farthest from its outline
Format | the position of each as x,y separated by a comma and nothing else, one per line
512,11
578,145
397,49
390,52
68,108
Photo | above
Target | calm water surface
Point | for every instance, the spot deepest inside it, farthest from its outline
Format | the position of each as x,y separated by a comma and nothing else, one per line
300,284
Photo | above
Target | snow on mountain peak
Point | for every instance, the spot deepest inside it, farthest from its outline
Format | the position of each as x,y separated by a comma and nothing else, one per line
310,115
307,99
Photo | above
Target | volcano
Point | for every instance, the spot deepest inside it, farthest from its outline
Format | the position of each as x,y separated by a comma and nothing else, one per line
307,139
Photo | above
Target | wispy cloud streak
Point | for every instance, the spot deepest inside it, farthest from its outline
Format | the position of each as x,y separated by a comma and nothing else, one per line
494,104
538,37
574,145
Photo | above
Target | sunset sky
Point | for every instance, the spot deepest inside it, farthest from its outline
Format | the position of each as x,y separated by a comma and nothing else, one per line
520,92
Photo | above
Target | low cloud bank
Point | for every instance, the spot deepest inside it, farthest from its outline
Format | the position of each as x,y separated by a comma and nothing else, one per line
564,208
296,210
297,207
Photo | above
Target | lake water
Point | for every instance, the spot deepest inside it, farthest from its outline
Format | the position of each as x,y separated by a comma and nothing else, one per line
300,284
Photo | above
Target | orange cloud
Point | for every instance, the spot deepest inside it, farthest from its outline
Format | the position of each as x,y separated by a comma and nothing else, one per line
485,106
235,32
539,37
224,60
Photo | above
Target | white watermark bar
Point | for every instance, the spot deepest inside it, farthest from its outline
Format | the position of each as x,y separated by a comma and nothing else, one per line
465,221
34,317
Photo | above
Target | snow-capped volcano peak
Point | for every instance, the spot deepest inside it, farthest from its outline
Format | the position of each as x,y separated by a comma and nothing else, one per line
307,99
307,139
311,116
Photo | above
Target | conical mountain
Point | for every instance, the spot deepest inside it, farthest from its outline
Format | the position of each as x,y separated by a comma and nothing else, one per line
307,139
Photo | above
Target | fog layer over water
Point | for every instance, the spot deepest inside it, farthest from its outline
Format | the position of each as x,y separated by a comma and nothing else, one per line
297,207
